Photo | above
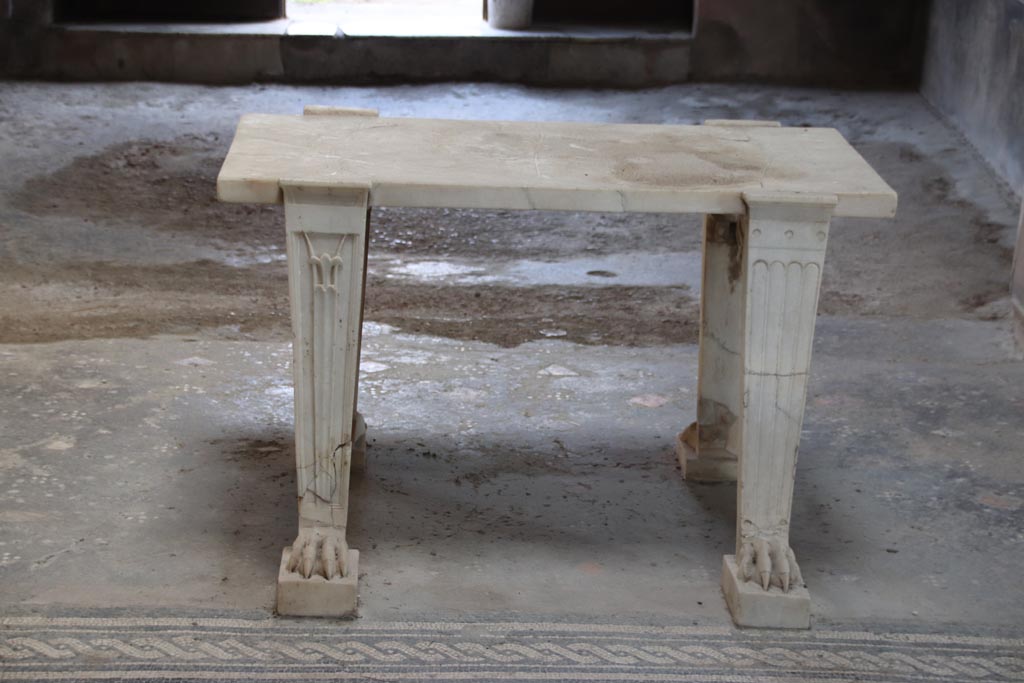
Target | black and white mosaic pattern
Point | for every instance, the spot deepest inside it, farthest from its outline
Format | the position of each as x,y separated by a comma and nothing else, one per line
176,648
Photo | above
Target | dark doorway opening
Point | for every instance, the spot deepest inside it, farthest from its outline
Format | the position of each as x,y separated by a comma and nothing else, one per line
168,10
674,15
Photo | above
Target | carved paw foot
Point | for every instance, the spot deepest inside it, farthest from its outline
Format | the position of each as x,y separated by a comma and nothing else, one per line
769,562
322,551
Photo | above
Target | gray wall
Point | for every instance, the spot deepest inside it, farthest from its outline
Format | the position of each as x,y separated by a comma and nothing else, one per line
834,43
974,75
830,43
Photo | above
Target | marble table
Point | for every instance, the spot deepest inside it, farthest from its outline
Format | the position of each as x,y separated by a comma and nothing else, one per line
768,194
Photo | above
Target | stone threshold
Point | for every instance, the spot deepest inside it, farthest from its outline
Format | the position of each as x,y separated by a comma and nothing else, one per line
392,23
366,47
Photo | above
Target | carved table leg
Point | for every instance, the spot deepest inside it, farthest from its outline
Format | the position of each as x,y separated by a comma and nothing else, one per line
707,449
326,233
785,237
359,443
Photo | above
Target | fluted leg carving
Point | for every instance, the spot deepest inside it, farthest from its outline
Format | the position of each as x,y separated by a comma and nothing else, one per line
785,238
326,233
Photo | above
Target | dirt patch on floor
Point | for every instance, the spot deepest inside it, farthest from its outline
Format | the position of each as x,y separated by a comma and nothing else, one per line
529,234
213,300
165,185
87,301
509,316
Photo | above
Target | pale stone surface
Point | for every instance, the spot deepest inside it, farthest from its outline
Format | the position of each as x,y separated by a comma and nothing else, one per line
762,273
326,241
703,465
327,110
750,605
711,445
742,123
316,596
783,238
556,166
769,194
359,444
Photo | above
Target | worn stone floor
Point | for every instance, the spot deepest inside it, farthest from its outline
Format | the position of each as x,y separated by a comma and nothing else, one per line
523,377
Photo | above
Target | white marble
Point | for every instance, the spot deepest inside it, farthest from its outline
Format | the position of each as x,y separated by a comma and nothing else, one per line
555,166
768,193
326,240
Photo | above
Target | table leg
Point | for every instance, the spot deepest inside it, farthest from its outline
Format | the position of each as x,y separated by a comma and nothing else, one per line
785,237
326,234
708,448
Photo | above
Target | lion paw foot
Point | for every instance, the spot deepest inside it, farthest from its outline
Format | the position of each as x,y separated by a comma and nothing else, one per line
769,562
319,551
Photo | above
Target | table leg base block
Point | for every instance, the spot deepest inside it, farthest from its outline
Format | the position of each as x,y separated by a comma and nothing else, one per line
751,605
714,465
316,596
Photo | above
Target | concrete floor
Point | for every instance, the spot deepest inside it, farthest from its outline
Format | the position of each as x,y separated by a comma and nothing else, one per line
523,377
